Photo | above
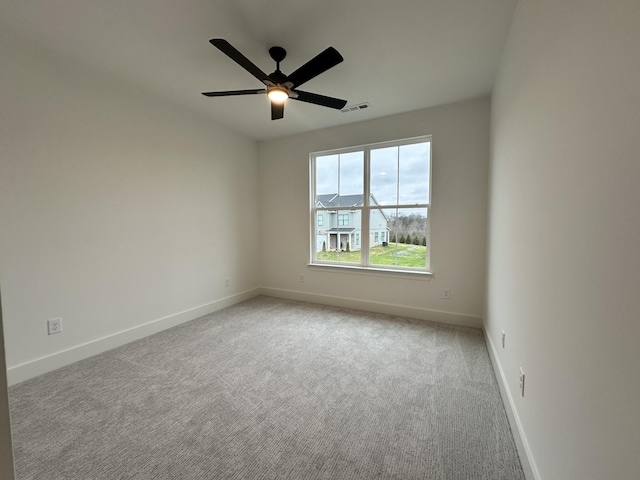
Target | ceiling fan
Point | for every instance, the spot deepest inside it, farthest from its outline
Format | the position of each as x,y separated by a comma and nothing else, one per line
280,87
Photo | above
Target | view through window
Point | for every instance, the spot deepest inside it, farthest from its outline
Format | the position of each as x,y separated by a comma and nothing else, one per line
370,206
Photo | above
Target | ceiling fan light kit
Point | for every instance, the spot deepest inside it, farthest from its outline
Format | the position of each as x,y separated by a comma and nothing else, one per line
277,94
280,87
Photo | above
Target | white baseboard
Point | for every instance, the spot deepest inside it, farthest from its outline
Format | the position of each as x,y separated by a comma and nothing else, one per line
526,458
369,306
38,366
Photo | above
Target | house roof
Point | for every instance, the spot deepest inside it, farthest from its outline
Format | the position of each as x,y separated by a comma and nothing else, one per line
335,200
341,230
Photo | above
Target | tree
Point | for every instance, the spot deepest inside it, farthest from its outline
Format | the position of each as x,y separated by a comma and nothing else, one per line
407,225
415,240
424,241
348,248
324,247
401,240
392,238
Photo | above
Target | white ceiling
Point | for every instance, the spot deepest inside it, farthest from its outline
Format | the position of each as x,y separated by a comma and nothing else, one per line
399,55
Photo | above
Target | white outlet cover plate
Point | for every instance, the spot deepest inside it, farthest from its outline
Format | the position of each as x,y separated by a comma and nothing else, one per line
54,325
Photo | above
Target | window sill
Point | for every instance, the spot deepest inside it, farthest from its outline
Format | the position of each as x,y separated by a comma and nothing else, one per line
377,272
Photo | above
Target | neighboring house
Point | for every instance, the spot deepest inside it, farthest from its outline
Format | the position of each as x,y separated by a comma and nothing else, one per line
336,228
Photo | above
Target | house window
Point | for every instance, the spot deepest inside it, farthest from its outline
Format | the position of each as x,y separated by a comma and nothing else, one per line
374,189
320,220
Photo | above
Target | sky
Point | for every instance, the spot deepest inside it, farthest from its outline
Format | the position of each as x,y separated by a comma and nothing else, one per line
398,174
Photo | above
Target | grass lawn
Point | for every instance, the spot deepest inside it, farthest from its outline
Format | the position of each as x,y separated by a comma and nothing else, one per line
405,256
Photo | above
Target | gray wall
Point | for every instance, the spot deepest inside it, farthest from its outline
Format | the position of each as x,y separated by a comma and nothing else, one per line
120,213
460,152
564,235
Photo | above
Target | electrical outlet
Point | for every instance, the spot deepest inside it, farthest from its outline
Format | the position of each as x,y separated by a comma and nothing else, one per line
227,282
301,278
54,325
521,382
503,338
446,294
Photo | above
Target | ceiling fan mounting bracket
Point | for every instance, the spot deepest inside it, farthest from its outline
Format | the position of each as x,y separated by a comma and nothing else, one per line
278,54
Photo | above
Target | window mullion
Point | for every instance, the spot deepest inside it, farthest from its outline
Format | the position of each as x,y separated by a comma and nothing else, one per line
312,224
366,215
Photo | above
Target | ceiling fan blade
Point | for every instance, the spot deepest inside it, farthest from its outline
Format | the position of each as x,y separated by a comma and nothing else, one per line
314,67
330,102
277,110
229,50
234,92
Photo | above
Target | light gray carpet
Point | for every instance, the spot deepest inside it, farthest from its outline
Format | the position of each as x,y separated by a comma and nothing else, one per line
272,389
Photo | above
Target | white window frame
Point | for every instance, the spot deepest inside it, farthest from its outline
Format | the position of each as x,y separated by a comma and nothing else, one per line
367,208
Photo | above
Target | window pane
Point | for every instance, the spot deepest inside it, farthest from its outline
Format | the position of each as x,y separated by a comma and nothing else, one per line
327,175
339,243
384,176
413,184
339,180
351,174
407,237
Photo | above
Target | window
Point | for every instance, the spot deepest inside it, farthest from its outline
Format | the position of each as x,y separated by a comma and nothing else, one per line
320,220
380,196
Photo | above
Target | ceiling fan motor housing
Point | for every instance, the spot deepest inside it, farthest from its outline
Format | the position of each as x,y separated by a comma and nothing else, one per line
278,77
